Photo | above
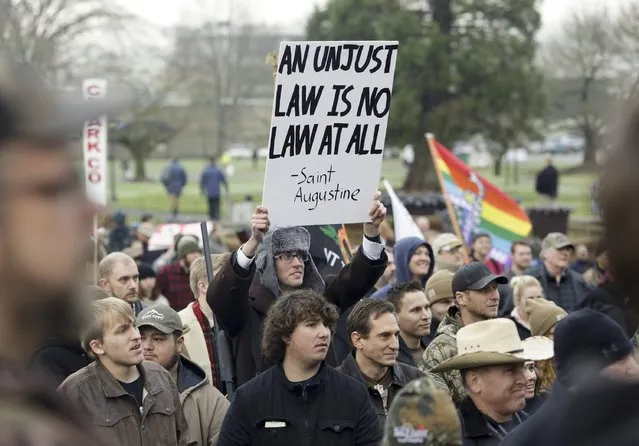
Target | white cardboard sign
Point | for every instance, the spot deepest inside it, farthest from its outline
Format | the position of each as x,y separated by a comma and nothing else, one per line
94,143
328,129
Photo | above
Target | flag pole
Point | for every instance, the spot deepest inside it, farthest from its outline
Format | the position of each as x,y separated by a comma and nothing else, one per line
449,204
96,247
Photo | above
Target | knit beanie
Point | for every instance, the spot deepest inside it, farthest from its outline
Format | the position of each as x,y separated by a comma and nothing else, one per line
542,315
439,286
145,271
187,246
586,342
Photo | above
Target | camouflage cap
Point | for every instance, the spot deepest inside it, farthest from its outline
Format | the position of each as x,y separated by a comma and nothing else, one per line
556,240
422,414
446,242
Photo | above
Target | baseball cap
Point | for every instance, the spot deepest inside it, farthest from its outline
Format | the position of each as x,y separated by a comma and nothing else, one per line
445,242
556,240
475,276
422,414
439,286
30,109
161,317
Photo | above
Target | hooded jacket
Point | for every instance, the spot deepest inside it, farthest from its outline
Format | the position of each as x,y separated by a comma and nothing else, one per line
240,299
444,347
403,250
203,405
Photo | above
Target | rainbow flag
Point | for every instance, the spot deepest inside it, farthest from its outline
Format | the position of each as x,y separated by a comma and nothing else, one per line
479,205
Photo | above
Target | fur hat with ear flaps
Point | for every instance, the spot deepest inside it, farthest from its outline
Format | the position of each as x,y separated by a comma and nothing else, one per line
280,240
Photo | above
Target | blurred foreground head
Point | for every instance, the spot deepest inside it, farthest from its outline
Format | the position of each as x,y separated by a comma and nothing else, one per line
45,217
619,188
422,414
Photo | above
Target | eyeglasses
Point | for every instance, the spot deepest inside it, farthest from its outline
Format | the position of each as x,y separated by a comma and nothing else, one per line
288,257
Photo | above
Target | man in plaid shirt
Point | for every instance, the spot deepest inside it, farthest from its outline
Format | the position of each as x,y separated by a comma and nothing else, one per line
173,279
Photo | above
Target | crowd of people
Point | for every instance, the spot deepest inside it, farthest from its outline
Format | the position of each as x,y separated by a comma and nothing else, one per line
427,341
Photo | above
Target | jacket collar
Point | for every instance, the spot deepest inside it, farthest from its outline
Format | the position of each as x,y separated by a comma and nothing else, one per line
189,375
403,347
451,320
113,389
474,423
261,296
299,388
349,367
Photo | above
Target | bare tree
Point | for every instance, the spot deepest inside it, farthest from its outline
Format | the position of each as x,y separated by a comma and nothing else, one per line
44,32
583,53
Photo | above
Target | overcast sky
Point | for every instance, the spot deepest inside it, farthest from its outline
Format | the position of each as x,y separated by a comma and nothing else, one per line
293,13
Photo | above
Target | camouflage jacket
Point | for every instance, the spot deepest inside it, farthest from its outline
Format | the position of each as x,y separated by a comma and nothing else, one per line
444,347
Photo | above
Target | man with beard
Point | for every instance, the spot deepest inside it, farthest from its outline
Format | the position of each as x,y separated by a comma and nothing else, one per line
477,299
119,276
162,342
491,360
374,334
125,401
174,279
45,222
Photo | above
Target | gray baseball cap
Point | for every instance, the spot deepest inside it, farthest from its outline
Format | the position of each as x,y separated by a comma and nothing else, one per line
557,240
161,317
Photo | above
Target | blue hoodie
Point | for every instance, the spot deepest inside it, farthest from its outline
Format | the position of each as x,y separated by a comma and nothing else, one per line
403,251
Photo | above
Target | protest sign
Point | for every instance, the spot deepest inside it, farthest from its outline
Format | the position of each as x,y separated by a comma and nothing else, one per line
164,234
328,128
94,143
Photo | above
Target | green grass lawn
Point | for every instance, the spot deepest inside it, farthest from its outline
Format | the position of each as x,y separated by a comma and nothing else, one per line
151,197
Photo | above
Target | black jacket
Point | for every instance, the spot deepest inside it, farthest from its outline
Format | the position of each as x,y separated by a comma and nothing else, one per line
609,300
537,430
402,374
568,293
329,409
547,181
476,430
59,358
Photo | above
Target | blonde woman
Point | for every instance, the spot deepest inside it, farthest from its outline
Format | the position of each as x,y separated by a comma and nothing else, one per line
524,288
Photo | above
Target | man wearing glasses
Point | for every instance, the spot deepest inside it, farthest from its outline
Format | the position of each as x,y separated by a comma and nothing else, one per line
273,263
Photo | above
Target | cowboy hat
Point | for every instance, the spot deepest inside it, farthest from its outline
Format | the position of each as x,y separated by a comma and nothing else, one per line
494,342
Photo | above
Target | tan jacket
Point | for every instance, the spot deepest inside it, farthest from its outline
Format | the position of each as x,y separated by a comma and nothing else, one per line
114,416
204,406
194,340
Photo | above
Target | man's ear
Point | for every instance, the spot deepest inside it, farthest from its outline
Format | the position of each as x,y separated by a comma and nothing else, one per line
105,284
356,340
473,382
202,287
286,339
179,344
97,347
460,298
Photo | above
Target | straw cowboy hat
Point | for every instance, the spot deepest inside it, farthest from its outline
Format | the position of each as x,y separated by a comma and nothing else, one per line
494,342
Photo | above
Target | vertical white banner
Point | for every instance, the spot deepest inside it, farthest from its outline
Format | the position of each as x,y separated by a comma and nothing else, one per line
94,143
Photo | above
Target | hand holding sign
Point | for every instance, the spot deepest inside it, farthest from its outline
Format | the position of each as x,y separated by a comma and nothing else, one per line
377,215
259,227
